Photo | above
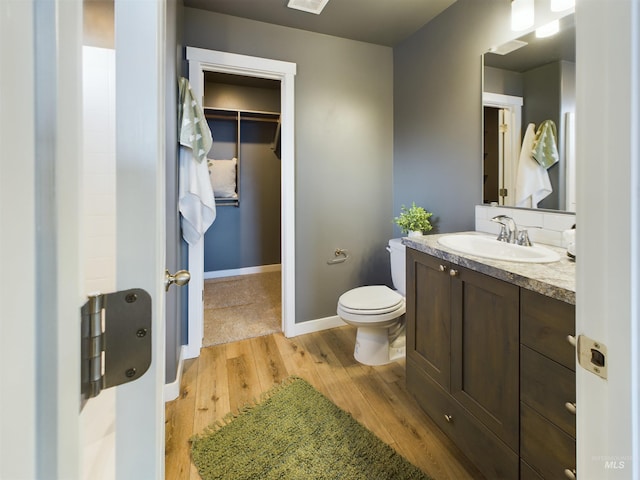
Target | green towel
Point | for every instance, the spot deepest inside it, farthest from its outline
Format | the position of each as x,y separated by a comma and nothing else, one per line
194,131
545,150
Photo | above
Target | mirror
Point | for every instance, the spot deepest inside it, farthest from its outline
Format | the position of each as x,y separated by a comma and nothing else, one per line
527,81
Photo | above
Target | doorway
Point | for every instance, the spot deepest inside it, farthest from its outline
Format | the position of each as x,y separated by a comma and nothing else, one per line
242,251
502,119
201,61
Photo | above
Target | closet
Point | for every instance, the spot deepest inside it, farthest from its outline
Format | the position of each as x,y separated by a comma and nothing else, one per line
243,114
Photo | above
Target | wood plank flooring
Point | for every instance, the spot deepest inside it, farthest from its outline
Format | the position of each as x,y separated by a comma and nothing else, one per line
227,376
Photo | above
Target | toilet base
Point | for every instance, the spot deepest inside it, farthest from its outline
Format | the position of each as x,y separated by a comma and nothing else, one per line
373,348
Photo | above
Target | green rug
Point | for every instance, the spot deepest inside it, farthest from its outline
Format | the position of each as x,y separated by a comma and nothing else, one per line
296,433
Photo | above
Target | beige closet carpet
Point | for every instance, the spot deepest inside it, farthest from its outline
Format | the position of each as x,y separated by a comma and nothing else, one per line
240,307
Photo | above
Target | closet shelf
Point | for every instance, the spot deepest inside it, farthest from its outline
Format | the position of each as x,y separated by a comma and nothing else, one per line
251,115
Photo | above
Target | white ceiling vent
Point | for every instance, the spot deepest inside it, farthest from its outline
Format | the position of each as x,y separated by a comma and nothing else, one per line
508,47
311,6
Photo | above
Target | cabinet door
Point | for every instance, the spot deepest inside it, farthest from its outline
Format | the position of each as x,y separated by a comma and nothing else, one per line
485,350
429,315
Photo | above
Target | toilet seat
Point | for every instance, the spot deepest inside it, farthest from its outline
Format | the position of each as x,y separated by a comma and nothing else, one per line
375,305
371,300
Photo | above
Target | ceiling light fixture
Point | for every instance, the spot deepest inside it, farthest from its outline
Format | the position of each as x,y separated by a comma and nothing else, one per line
549,29
311,6
561,5
522,14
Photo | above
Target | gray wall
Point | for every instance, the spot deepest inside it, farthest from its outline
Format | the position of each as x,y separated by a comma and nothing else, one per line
438,111
344,149
497,80
542,102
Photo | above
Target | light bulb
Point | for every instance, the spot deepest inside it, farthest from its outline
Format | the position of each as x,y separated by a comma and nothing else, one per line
522,14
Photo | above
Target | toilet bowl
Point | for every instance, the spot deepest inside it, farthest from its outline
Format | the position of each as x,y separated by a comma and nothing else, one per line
377,312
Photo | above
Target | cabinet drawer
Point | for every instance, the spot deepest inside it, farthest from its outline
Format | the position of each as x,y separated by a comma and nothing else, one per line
546,448
547,386
545,324
492,457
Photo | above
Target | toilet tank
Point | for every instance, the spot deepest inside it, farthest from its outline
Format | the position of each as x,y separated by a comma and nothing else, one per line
398,264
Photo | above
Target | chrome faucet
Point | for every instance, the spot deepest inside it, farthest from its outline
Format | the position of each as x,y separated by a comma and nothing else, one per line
508,231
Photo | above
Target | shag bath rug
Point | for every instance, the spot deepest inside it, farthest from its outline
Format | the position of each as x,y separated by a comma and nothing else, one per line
296,433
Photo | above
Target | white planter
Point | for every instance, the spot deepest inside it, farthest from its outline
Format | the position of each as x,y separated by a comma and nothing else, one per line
416,233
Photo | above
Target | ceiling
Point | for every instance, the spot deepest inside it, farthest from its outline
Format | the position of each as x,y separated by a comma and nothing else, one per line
539,51
383,22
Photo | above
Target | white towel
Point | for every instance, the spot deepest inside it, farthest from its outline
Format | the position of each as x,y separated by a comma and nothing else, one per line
195,194
195,202
532,180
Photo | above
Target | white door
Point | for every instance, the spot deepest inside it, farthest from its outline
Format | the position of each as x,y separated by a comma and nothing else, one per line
608,227
40,212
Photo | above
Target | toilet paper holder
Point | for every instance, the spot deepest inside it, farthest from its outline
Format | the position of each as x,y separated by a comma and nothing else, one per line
340,254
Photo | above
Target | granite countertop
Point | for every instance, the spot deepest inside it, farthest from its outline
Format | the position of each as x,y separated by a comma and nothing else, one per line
556,280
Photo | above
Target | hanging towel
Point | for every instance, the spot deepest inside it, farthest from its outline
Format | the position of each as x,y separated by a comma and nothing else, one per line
532,180
195,194
194,130
545,149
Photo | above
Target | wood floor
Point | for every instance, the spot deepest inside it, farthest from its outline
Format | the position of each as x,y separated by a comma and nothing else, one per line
226,377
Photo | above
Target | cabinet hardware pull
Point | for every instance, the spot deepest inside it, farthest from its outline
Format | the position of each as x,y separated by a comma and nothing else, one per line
453,272
571,339
448,418
570,473
442,268
571,407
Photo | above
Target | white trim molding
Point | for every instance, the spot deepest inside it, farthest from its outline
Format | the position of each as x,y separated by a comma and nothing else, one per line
201,60
276,267
317,325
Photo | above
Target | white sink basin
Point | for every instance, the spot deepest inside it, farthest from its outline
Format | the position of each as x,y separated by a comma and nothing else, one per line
489,247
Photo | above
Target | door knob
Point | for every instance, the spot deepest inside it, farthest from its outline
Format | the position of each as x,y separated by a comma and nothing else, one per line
180,278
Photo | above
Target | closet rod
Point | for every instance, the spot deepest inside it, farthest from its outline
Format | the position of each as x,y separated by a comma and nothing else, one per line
250,119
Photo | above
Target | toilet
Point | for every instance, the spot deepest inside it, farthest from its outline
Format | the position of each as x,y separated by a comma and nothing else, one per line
377,312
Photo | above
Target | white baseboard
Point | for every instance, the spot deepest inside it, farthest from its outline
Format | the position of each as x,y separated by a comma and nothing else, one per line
243,271
316,326
172,390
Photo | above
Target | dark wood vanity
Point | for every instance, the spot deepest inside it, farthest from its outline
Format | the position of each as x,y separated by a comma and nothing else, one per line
490,362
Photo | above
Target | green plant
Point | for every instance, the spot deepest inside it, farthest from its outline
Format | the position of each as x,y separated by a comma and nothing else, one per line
414,219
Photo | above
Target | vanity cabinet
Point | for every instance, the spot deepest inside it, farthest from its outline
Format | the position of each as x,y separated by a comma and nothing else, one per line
547,387
490,363
463,358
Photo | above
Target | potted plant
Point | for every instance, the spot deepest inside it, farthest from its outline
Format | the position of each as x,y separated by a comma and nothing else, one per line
413,220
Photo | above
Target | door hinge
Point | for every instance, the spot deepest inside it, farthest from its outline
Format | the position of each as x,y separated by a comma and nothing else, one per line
503,128
115,340
503,192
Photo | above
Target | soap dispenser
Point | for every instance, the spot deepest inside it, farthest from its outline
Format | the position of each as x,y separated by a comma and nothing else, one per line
569,237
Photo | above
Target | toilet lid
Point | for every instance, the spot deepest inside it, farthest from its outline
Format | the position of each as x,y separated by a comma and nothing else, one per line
373,299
